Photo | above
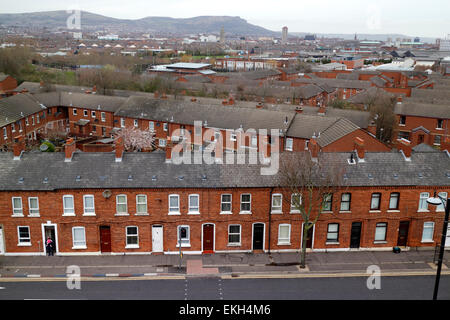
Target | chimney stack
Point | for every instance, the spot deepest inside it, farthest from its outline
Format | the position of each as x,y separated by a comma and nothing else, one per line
168,153
69,149
163,96
313,149
298,109
18,147
259,105
359,147
404,146
119,149
156,94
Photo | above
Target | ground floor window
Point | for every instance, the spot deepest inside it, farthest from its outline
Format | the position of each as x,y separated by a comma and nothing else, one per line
132,237
234,234
79,238
333,232
380,231
24,235
428,230
183,236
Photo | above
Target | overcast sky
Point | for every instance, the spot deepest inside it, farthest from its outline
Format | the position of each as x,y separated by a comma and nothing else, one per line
410,17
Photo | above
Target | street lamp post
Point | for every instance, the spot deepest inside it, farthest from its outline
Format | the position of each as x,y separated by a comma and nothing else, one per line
437,200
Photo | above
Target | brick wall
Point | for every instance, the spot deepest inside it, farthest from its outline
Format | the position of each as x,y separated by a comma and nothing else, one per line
51,211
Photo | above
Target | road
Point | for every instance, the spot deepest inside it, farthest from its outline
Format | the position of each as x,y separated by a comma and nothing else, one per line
343,288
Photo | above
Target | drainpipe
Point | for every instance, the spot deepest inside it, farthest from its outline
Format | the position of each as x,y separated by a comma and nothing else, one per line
270,214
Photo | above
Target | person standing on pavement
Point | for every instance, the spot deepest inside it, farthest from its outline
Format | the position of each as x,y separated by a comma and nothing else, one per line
49,245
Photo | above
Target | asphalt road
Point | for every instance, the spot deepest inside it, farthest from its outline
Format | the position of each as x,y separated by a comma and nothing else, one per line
342,288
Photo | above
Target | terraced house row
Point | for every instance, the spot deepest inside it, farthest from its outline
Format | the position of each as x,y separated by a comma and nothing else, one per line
91,115
91,203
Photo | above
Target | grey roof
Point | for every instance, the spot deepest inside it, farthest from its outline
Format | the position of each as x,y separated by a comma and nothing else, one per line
423,147
423,110
348,84
3,76
99,170
92,101
17,107
348,76
305,126
339,129
364,96
186,112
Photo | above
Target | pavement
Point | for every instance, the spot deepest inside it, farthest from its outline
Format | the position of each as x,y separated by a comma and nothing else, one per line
225,265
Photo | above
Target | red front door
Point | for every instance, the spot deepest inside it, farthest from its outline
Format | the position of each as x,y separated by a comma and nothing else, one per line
208,238
105,239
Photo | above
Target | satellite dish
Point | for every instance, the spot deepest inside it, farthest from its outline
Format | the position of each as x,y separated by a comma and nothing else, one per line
43,147
107,194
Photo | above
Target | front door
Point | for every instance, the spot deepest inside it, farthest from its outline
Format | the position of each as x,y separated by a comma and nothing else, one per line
355,235
208,238
157,239
49,231
105,239
258,236
2,245
403,234
420,139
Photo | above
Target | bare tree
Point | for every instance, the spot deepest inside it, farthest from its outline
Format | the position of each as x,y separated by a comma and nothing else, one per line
307,185
382,111
135,139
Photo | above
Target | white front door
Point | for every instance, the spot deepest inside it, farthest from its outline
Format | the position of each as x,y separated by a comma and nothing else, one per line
2,245
157,239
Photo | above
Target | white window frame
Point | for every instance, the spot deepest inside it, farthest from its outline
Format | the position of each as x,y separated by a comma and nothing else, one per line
128,235
177,208
151,126
79,244
277,209
91,210
5,133
233,137
122,122
226,202
32,120
193,209
66,210
293,208
165,126
34,214
249,202
13,127
284,241
423,202
136,123
289,144
440,207
141,203
232,244
17,212
103,116
27,122
162,142
74,111
93,115
85,113
186,242
428,225
23,241
121,203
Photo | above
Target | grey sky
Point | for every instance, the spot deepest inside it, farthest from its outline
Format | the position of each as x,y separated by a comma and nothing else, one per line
410,17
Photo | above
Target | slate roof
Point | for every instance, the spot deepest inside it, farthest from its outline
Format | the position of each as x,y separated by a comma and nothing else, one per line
423,110
99,170
339,129
16,107
186,112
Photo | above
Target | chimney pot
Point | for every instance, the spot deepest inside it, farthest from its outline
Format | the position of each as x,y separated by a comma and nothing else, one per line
69,149
299,109
313,148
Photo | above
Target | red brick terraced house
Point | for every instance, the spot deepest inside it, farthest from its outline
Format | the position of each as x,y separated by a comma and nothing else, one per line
7,85
141,203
